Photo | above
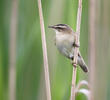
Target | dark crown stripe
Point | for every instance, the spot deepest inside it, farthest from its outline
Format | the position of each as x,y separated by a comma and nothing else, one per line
61,25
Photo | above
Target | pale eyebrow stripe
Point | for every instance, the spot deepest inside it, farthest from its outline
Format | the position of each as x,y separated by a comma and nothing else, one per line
60,26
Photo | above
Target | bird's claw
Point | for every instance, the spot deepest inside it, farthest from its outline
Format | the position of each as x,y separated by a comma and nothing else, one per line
76,45
74,64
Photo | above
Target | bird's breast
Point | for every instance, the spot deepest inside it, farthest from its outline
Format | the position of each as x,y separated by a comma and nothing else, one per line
64,37
64,44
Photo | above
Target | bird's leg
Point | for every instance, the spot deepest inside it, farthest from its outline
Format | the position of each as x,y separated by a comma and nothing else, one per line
72,61
75,44
74,64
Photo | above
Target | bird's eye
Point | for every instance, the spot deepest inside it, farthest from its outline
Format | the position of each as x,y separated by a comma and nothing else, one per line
59,30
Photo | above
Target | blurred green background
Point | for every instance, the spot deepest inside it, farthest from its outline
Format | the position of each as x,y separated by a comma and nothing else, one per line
30,84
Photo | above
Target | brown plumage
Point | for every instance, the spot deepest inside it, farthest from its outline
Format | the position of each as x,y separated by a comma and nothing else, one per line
65,43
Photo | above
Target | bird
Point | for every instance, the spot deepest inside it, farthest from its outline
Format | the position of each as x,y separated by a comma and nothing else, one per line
65,42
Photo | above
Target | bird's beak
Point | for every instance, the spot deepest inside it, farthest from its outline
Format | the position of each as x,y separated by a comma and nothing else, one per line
51,27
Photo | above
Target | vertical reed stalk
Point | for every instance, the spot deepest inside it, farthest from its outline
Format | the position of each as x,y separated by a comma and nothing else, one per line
77,37
44,47
12,51
92,19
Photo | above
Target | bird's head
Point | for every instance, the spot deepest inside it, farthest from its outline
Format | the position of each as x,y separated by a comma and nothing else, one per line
62,29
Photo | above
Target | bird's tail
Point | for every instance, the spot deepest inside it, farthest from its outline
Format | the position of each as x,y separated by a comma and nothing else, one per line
81,63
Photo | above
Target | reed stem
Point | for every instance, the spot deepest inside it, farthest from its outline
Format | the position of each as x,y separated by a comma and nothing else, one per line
44,47
76,50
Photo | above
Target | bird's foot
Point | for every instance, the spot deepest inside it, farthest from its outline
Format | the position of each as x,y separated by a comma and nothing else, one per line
76,45
74,64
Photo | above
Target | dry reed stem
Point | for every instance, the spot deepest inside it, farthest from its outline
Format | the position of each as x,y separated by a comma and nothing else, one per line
12,51
92,46
44,47
77,36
